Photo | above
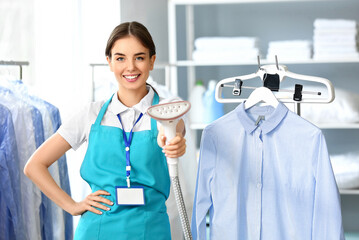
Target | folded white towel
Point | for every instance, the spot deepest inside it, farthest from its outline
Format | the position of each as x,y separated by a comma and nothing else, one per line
290,57
346,169
204,43
290,44
335,32
289,50
225,56
326,45
336,51
350,39
344,108
334,23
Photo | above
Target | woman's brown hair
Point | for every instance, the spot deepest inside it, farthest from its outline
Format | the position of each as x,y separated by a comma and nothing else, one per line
135,29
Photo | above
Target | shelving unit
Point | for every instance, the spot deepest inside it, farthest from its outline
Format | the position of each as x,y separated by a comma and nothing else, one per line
349,191
312,61
191,9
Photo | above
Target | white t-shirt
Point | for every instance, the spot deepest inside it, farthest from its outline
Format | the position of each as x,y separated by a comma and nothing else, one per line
76,130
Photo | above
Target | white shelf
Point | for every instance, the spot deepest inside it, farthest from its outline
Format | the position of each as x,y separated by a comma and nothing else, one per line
254,62
349,191
338,125
201,126
202,2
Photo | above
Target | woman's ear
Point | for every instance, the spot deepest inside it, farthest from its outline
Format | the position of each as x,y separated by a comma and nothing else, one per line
109,63
153,59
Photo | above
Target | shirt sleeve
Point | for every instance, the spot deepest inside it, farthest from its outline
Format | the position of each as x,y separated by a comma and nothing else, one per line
327,218
76,129
203,199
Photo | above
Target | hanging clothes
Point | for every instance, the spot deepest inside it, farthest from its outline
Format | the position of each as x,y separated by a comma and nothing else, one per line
63,170
34,121
10,193
25,138
54,229
264,173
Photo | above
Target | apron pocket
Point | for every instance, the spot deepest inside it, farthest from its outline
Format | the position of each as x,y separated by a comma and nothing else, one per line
88,227
157,226
124,225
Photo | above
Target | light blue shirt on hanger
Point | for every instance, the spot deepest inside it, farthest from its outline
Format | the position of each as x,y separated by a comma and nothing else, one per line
268,181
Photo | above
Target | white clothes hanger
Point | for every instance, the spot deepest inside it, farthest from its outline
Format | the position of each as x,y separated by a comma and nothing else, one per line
283,72
261,94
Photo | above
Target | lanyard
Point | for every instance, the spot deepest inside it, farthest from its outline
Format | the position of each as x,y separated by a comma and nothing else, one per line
128,144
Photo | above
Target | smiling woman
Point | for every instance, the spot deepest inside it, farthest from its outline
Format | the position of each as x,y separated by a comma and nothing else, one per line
131,63
125,162
131,54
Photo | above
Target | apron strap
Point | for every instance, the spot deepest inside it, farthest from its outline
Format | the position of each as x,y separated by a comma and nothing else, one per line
102,111
155,101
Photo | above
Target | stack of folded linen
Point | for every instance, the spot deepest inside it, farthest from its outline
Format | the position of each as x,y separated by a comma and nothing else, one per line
344,108
335,39
225,49
346,169
291,50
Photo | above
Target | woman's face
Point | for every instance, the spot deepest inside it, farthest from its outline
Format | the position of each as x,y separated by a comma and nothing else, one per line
131,63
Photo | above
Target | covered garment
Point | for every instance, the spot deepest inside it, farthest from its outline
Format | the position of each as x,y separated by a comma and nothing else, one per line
104,168
271,180
11,222
33,120
63,170
24,129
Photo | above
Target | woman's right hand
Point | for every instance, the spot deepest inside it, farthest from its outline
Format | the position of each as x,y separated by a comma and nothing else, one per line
90,202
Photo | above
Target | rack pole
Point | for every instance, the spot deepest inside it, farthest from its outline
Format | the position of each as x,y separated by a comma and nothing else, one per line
15,63
20,72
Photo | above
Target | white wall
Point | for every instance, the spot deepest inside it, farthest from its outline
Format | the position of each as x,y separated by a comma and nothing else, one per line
153,14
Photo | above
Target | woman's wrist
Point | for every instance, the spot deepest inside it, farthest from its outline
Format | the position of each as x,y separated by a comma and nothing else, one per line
70,207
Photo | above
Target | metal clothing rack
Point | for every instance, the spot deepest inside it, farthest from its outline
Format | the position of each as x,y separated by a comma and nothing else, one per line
15,63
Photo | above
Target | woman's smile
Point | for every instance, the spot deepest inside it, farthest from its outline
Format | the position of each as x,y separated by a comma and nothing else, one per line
131,77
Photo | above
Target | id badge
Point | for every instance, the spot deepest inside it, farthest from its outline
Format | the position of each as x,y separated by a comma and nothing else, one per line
130,196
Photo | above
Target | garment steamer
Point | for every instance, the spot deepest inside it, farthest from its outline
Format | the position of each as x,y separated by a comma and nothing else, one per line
168,115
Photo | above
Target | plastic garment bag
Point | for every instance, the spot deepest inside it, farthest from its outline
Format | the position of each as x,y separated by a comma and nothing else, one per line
22,113
52,216
10,211
34,121
54,222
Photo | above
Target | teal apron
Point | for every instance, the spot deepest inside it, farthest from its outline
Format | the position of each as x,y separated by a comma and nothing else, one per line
104,168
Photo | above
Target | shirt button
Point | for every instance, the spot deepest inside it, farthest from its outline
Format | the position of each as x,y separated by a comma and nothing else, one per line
259,185
127,149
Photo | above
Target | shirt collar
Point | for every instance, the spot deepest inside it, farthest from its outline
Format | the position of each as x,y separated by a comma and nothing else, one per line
271,121
117,106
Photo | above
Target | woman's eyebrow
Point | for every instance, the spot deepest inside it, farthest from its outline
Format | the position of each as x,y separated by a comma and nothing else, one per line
136,54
